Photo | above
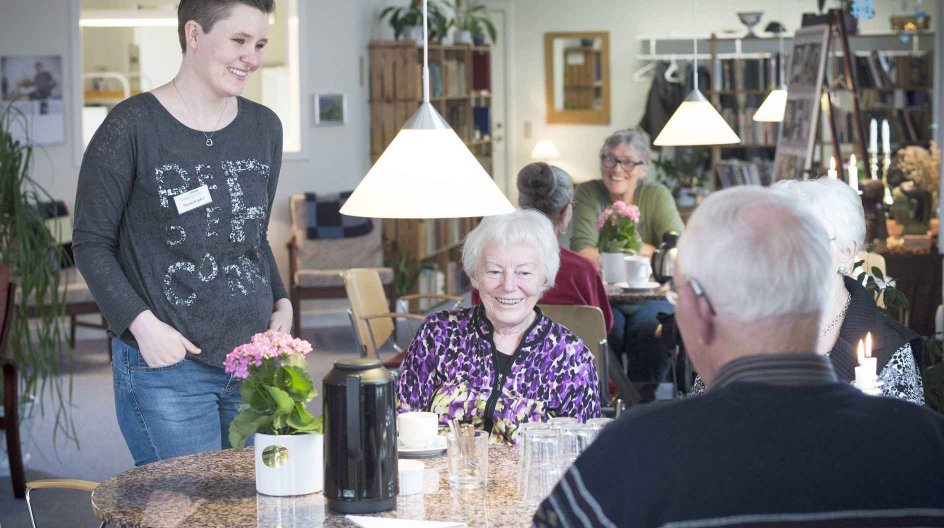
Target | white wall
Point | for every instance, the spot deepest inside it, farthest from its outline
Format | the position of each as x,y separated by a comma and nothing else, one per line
625,20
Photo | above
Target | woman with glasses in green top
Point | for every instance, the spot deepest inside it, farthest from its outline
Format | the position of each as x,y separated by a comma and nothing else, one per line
625,159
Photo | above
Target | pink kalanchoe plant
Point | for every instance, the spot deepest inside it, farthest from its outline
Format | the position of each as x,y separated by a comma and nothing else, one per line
617,225
275,387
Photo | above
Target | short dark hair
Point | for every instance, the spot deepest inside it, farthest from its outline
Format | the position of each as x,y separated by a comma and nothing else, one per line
208,12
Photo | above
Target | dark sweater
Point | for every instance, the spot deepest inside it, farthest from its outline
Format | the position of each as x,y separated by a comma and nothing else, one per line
761,449
208,272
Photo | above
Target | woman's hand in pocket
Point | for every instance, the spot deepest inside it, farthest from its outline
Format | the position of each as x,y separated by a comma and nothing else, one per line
159,343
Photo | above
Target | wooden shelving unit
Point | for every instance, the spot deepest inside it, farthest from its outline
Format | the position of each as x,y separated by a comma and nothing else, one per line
460,90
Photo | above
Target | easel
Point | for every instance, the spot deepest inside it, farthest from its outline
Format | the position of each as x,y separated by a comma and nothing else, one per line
838,29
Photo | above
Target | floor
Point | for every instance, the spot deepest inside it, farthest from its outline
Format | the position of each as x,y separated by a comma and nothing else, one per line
101,452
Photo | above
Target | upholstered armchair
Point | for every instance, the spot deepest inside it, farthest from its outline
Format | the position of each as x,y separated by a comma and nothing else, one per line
316,265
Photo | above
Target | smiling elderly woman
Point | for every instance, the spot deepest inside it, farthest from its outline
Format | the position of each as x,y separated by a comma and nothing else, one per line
502,362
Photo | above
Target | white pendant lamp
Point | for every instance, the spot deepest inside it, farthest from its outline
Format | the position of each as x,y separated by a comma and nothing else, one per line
426,171
774,106
696,122
545,150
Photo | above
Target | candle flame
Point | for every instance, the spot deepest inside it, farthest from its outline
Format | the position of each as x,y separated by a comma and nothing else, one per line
861,352
852,161
832,163
868,344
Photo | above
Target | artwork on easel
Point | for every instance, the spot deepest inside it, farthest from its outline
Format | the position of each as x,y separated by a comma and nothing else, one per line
804,90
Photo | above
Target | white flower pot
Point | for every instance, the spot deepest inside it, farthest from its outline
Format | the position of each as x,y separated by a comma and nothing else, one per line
289,464
462,37
613,267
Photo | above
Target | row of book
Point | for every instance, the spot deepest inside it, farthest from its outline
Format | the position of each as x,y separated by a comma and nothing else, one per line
878,70
907,126
445,80
443,232
734,172
747,74
741,120
433,281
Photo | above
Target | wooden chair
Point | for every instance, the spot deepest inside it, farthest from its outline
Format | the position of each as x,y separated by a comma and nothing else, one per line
80,485
587,323
11,419
316,265
371,319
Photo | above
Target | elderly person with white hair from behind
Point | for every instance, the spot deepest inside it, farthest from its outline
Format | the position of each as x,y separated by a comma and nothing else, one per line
780,439
852,313
502,362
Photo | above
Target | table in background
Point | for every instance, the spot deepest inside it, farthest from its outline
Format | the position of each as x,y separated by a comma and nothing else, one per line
918,276
620,295
218,489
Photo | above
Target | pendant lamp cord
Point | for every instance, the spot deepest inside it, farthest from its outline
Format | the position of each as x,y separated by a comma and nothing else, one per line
695,45
425,56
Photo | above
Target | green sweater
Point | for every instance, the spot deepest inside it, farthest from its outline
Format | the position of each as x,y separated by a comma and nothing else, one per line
657,212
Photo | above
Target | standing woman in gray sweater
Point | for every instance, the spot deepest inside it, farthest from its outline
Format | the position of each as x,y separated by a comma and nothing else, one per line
171,217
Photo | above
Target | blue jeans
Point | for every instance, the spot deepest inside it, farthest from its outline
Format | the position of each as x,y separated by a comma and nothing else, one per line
171,411
648,359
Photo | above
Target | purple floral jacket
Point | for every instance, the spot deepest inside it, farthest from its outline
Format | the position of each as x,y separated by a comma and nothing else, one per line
450,370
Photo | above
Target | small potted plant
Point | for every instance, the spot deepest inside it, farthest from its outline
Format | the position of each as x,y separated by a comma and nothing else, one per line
288,442
472,22
618,238
826,16
407,21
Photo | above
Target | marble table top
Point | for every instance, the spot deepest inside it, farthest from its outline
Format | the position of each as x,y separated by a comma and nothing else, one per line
218,489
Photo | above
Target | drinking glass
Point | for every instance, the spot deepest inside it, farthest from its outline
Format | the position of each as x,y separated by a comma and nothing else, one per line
468,460
597,424
574,438
560,421
524,429
542,467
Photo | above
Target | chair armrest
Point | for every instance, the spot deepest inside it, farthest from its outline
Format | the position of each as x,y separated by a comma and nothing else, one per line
73,484
414,296
400,315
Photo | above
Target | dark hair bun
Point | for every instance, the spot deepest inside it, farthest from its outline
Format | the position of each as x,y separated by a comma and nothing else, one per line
536,180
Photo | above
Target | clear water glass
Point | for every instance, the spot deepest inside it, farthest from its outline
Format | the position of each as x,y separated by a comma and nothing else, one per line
468,460
574,438
521,436
561,421
598,424
542,467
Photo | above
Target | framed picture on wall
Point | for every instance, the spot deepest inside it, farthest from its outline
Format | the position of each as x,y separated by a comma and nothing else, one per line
329,109
32,85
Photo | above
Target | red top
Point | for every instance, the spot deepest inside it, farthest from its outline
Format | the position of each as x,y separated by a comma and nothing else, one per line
578,282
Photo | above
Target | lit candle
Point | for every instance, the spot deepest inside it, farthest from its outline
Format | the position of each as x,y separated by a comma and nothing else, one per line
886,139
832,169
873,137
853,173
866,371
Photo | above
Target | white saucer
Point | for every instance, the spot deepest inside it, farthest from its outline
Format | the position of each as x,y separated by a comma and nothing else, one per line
650,286
436,449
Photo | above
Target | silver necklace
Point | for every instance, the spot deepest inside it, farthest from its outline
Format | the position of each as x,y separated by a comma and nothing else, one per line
209,137
842,313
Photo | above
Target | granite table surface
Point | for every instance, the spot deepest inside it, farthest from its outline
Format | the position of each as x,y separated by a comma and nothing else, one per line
618,294
218,489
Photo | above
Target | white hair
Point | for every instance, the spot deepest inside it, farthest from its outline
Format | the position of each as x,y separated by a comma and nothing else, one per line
834,203
522,226
757,253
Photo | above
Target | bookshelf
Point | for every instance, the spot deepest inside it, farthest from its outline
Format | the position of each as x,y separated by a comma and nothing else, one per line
460,90
893,78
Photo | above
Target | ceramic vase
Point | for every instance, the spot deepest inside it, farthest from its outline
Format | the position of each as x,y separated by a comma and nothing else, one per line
612,267
462,37
289,464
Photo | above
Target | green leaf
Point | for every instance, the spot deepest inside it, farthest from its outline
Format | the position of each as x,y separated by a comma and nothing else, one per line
283,402
878,273
297,383
301,419
245,424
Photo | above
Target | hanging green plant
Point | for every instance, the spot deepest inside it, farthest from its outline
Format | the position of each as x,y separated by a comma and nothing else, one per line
33,255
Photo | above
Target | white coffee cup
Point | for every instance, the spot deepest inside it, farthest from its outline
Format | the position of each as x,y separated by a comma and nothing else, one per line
638,271
612,267
417,429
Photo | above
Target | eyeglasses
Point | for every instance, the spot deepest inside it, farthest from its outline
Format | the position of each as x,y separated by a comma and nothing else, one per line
610,162
673,293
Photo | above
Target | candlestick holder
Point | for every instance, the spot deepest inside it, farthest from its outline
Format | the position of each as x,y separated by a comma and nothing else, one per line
873,165
871,387
886,164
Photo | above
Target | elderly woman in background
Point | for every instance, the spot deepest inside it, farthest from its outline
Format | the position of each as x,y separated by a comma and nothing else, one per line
625,158
852,312
550,190
502,362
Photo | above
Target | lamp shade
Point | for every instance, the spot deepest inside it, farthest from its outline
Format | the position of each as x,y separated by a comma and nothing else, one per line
773,106
426,172
545,150
696,122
